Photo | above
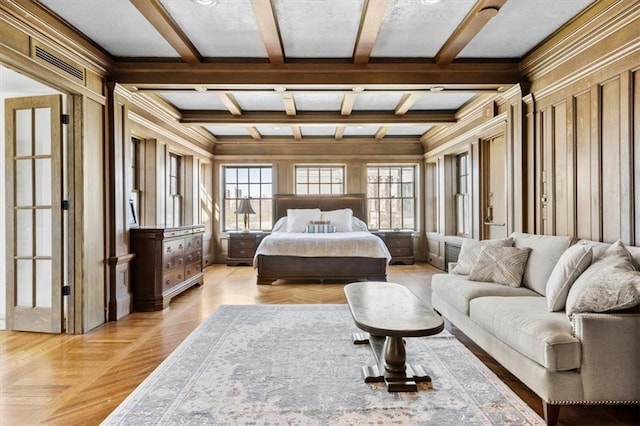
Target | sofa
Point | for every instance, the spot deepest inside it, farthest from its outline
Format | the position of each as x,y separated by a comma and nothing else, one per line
561,346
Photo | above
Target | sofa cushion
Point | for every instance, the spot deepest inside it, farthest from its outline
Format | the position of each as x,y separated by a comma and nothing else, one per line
458,291
469,251
524,324
599,249
611,283
545,252
571,264
500,265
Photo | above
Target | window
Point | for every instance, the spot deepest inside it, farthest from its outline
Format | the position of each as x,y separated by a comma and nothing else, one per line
391,197
255,182
319,180
463,223
174,199
134,198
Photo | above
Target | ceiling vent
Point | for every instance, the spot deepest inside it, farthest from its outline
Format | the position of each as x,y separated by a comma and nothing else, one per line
58,61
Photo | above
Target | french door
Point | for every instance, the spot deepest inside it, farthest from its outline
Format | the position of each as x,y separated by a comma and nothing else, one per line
495,202
35,248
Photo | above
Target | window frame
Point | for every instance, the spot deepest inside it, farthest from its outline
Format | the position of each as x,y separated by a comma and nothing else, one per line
413,216
135,198
174,198
320,183
462,195
258,203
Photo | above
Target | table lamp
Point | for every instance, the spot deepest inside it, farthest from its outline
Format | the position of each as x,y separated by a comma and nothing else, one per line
244,207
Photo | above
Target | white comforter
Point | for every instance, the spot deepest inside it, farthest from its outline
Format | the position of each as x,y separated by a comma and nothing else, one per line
336,244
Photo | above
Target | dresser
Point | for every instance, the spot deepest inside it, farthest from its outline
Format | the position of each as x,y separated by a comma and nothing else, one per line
400,245
168,261
242,247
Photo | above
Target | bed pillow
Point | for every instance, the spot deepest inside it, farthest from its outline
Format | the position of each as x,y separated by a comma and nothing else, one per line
358,225
281,225
469,253
340,218
500,265
611,283
571,264
297,219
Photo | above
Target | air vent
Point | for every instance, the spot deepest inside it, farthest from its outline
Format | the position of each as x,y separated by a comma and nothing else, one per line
56,61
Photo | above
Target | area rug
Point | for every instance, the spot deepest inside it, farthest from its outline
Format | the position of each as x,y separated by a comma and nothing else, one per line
296,364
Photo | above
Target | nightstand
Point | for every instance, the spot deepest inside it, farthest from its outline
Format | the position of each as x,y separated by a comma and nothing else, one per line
242,247
400,245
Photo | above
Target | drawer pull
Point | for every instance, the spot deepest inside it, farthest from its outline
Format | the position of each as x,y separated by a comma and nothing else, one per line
169,249
179,261
169,265
167,282
180,247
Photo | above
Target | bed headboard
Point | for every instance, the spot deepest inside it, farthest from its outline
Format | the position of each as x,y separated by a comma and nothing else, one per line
356,202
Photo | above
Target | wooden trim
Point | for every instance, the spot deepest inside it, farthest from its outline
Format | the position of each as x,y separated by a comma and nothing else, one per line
373,15
265,17
348,100
289,103
121,259
155,13
406,102
255,134
476,19
381,132
297,133
199,117
339,132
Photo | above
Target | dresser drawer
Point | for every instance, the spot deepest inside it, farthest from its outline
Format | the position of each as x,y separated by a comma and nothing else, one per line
242,244
400,251
192,269
172,248
172,264
393,243
193,243
172,279
193,256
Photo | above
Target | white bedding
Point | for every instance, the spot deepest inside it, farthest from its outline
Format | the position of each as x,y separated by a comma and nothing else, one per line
335,244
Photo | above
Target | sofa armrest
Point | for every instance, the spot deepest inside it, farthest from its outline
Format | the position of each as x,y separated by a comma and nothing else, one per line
610,365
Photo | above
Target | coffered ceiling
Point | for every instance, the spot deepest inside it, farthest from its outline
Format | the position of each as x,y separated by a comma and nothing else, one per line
294,70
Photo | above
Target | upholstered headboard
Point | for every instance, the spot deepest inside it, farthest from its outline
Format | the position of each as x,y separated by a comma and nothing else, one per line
356,202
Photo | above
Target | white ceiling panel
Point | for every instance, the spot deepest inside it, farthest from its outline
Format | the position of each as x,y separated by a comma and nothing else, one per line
116,25
316,101
408,130
225,29
227,130
370,101
194,100
259,101
441,100
360,130
413,29
318,28
275,130
318,130
520,26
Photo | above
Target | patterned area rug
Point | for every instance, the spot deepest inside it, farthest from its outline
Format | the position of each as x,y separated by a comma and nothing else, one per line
296,364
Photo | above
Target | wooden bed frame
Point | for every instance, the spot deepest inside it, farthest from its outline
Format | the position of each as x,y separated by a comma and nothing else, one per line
271,268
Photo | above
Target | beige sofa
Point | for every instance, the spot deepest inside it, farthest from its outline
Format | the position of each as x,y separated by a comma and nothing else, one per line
592,358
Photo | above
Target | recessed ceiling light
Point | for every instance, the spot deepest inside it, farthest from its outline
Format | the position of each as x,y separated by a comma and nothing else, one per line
425,2
206,2
358,89
280,89
437,89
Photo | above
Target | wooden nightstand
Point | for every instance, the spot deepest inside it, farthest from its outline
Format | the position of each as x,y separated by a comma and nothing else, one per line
242,247
400,245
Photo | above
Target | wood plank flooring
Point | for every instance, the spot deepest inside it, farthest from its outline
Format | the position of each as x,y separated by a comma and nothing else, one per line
64,379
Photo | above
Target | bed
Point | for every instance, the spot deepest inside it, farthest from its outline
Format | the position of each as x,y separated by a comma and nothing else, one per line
302,265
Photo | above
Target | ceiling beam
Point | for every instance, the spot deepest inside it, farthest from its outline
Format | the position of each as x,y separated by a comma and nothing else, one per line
339,133
289,103
381,132
476,19
406,103
230,103
200,117
255,134
297,133
371,22
347,103
472,73
157,16
268,25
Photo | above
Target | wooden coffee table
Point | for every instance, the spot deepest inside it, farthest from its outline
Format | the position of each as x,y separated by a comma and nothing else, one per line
390,312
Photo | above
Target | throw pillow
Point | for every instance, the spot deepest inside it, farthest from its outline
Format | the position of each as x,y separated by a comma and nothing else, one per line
501,265
469,253
609,284
573,262
297,219
340,218
321,227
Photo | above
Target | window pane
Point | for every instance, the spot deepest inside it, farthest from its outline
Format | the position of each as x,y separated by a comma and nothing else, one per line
230,175
266,174
301,175
254,190
393,189
253,182
396,213
325,188
254,175
266,191
24,232
24,188
24,283
243,175
43,283
301,189
23,132
44,244
243,191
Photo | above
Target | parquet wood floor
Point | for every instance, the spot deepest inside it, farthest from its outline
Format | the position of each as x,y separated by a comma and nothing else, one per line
73,380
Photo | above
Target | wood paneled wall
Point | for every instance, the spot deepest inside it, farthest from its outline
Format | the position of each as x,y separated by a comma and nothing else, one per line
573,137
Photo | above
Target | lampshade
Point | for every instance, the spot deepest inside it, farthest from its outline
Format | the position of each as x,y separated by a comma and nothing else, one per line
244,207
